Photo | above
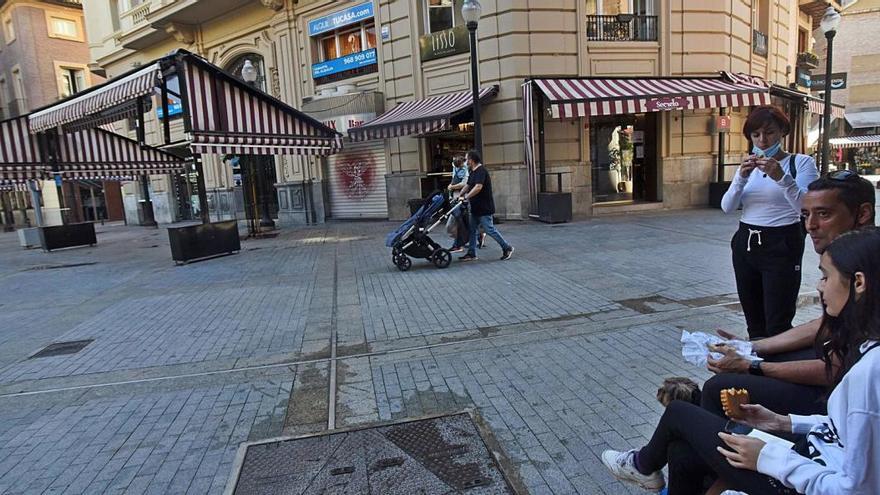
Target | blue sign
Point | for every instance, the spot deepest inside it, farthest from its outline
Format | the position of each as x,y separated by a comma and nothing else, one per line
345,17
341,64
58,180
175,107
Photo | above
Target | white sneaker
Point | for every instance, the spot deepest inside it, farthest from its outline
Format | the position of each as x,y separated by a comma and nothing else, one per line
622,466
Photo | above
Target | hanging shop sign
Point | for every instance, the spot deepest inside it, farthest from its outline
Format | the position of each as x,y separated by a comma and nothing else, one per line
444,43
342,64
838,81
351,15
722,123
668,103
803,77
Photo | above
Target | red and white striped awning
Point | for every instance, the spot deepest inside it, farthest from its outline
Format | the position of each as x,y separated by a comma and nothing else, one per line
110,101
817,107
227,116
592,96
17,145
855,141
419,116
9,185
103,152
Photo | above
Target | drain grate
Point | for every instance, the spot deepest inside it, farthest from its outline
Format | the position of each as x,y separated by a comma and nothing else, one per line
62,348
37,268
446,454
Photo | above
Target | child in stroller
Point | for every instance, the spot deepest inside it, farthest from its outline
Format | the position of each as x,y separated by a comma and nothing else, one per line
411,239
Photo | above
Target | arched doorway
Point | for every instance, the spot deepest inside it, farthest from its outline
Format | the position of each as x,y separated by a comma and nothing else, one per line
254,175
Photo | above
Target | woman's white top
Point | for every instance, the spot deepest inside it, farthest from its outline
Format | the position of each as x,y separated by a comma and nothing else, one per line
844,447
770,203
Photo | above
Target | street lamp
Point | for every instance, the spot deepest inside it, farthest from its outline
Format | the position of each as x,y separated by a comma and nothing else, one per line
471,11
249,74
829,24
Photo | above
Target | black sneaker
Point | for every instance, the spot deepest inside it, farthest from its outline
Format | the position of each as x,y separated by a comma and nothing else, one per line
507,254
482,240
468,257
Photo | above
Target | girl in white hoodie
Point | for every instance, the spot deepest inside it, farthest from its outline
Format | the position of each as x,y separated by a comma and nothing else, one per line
837,454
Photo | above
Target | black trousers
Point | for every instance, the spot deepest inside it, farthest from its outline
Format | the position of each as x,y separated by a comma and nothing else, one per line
686,439
779,396
767,265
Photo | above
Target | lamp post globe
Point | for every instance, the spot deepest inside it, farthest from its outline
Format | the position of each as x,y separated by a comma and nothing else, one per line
829,24
471,11
249,72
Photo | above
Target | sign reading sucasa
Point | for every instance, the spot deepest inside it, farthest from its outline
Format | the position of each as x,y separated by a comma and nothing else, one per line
668,103
838,81
345,17
444,43
341,64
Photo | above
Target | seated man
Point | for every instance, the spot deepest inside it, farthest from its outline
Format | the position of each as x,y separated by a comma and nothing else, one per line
792,380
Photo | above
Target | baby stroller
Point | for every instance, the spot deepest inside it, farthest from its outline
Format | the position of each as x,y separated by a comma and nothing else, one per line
412,239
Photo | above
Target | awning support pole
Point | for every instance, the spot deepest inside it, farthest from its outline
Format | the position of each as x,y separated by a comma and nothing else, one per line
37,201
149,219
542,162
166,119
720,179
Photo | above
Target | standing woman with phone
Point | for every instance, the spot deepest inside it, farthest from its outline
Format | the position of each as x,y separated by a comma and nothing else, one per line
769,245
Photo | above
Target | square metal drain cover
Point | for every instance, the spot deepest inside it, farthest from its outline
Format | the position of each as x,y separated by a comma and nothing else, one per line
439,455
61,348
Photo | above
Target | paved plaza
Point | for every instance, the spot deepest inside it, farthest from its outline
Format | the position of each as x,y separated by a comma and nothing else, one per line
559,350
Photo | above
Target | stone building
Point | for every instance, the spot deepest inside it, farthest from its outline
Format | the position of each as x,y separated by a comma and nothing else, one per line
348,63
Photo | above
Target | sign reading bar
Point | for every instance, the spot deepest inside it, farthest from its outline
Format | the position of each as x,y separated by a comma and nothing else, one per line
345,17
343,123
668,103
342,64
838,81
444,43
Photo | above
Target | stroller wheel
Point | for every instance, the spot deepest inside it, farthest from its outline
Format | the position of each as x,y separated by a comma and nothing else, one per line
403,262
441,258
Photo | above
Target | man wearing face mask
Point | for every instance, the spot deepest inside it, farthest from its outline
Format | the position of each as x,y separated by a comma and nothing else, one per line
769,245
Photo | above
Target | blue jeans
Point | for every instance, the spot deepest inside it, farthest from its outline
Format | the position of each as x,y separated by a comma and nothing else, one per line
485,221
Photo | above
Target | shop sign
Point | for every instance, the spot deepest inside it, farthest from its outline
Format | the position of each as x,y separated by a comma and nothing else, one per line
838,81
342,64
722,123
803,77
351,15
343,123
668,103
385,33
444,43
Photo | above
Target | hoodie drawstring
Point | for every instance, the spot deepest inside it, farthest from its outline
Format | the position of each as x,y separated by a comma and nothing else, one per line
749,242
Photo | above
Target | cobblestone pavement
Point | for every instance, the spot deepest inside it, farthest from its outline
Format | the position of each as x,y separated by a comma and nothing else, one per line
560,349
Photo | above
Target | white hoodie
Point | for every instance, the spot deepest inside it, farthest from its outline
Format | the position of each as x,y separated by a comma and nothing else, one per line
844,446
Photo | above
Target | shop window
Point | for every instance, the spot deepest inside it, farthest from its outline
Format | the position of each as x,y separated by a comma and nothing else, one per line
350,42
622,20
72,81
441,15
347,47
64,28
328,48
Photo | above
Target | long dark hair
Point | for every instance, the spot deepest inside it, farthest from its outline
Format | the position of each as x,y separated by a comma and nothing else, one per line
840,337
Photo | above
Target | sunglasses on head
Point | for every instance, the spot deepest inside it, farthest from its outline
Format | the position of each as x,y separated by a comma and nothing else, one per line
842,174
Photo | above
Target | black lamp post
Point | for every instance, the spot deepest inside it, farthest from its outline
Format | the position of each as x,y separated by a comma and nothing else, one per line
828,25
471,11
249,74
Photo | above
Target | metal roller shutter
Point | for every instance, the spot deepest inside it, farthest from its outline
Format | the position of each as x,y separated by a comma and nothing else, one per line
357,181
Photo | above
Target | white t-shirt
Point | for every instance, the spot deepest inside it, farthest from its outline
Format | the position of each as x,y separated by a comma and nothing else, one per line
770,203
844,446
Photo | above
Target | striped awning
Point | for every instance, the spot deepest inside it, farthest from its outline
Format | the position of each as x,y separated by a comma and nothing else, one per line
22,173
593,96
103,152
11,185
855,141
817,107
107,102
17,145
227,116
420,116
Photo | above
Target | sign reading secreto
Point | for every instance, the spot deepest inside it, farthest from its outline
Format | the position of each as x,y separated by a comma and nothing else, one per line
667,103
341,64
341,18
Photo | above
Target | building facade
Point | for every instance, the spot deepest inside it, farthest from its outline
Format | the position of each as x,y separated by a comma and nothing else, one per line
349,62
44,57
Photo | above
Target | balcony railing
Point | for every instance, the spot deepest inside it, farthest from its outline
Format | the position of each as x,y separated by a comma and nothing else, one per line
759,43
623,27
134,17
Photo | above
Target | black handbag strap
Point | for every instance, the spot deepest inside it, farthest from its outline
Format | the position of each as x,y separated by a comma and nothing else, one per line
792,166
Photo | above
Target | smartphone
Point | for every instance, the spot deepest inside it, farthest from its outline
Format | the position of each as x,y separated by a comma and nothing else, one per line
738,428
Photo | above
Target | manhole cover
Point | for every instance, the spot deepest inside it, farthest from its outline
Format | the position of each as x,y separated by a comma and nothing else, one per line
61,348
56,267
441,455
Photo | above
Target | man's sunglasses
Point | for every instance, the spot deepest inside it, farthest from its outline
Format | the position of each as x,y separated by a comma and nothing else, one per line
841,175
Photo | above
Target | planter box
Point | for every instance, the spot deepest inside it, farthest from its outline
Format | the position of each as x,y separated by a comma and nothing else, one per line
70,235
716,192
204,241
29,238
554,207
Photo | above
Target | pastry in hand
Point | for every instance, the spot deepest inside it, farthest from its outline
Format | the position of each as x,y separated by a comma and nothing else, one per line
732,399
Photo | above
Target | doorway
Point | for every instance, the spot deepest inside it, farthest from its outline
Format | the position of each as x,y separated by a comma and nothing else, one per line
623,157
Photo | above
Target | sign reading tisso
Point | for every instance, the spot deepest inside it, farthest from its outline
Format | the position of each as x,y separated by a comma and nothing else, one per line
341,64
341,18
444,43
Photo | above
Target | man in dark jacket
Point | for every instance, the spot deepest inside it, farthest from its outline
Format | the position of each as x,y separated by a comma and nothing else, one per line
478,193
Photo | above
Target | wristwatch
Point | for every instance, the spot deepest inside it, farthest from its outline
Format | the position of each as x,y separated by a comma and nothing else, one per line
755,368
